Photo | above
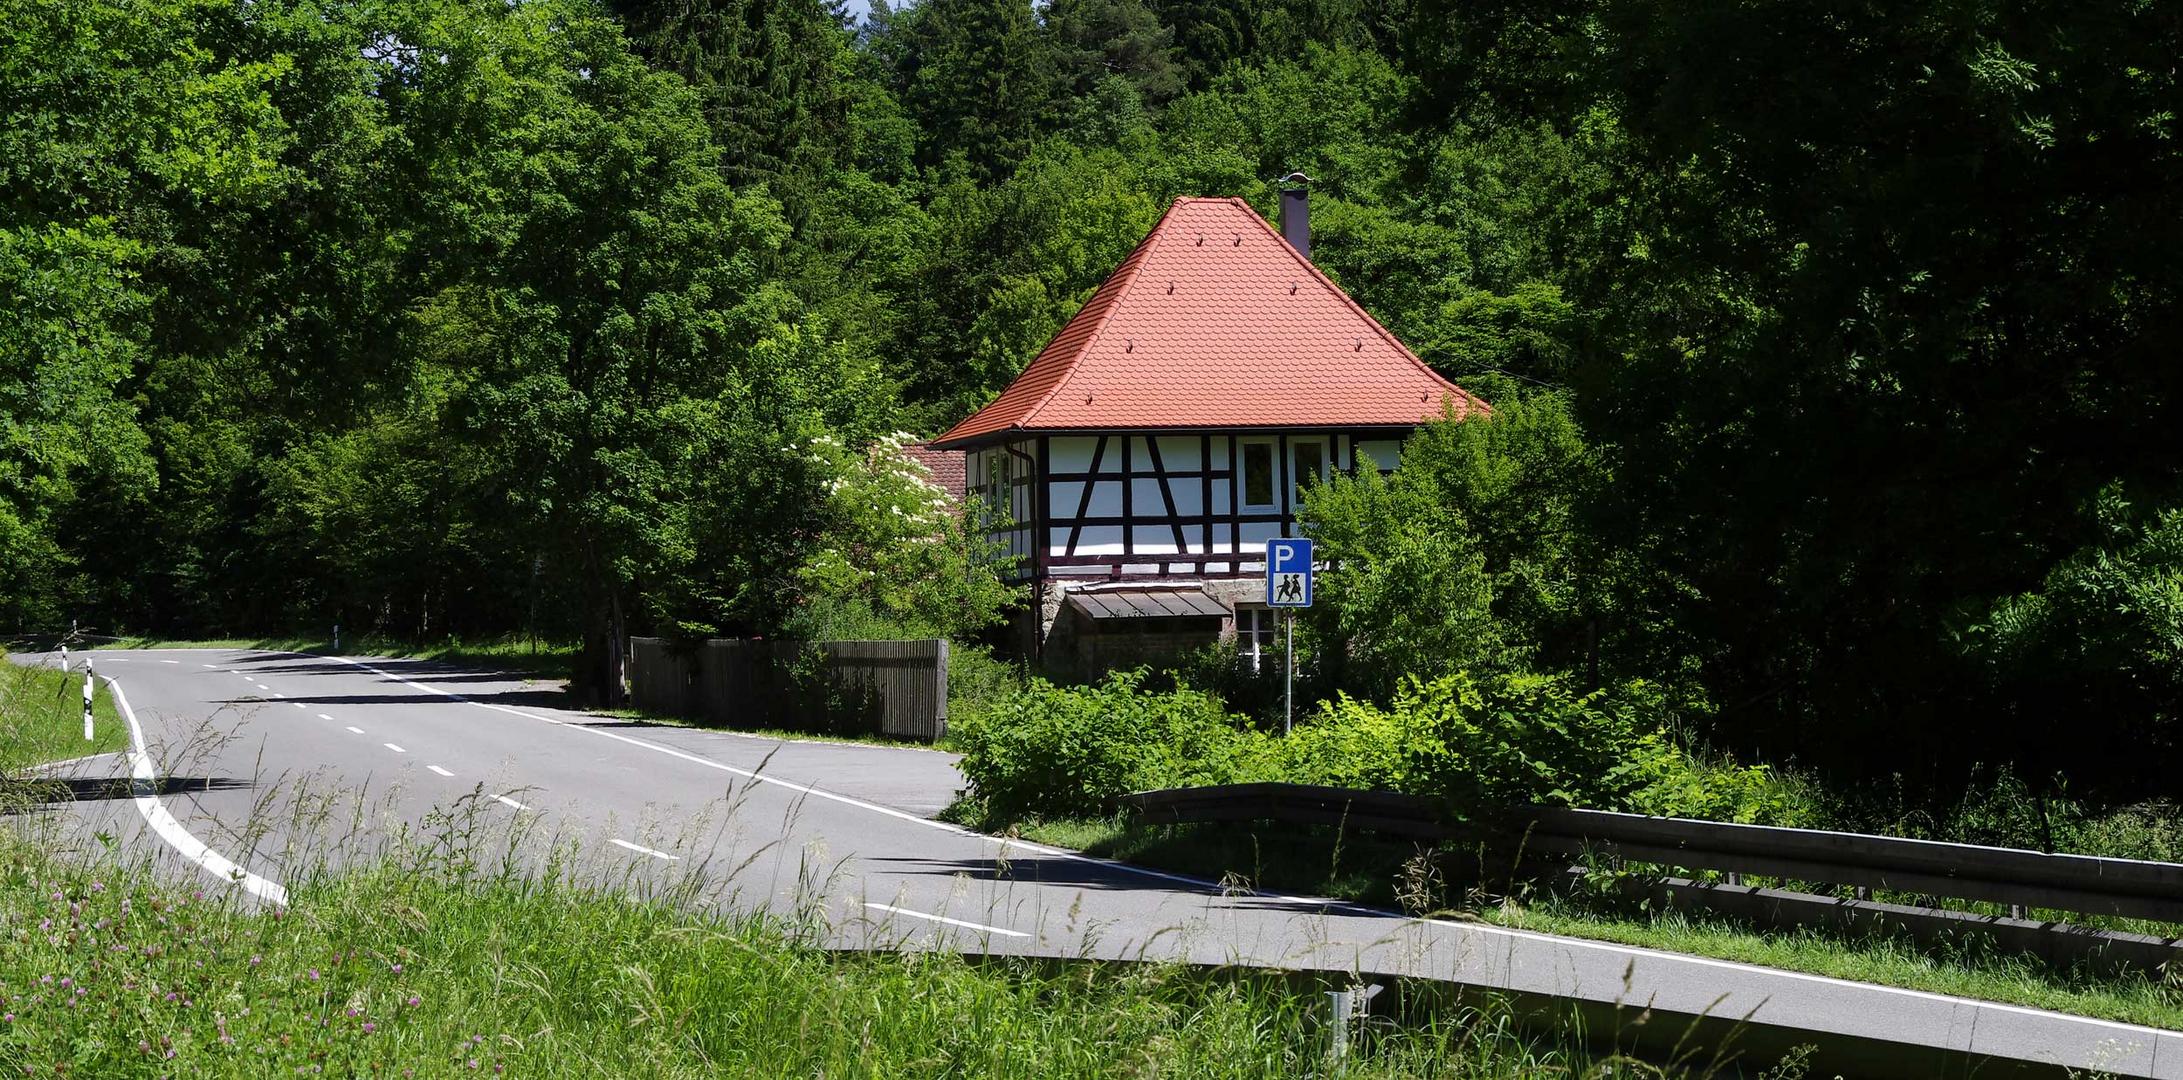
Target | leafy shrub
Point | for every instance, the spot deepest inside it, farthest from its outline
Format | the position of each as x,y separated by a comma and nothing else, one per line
1491,744
1352,744
1050,749
1488,744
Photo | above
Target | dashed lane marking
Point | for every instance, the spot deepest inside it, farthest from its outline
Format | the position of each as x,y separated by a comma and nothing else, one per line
945,919
648,851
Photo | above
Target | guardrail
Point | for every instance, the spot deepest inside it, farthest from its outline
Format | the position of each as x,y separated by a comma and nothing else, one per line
2083,884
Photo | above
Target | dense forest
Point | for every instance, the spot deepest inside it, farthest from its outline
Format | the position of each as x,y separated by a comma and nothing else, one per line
1834,348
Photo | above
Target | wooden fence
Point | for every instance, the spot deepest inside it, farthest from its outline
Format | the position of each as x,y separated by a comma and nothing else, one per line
2084,884
896,688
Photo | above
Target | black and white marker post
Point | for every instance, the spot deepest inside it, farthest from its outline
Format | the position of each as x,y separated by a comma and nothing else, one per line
90,680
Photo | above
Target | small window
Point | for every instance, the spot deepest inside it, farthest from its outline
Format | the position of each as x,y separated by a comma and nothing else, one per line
1258,474
1254,636
1310,461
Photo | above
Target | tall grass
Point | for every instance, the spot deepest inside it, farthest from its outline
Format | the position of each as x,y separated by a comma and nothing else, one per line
442,958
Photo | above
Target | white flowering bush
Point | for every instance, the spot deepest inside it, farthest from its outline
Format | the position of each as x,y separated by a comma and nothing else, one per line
896,550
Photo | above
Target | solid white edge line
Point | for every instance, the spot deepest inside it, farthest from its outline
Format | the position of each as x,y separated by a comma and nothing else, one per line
1329,906
648,851
441,771
945,919
156,815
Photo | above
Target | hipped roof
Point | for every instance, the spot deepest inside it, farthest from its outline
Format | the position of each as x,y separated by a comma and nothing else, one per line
1214,321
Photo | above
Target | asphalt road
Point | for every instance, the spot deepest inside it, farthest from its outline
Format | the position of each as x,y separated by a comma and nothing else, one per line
281,764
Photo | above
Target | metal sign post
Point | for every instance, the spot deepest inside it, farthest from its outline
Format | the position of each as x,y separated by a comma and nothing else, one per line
1288,585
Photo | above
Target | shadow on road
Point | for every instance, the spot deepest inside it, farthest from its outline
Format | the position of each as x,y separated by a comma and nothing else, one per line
25,794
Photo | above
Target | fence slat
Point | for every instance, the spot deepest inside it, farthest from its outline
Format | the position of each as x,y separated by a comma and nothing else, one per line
896,688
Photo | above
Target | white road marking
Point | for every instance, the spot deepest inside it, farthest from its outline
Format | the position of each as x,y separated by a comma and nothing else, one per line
278,694
299,705
845,800
214,667
49,766
441,771
263,687
156,815
357,730
170,661
945,919
648,851
1633,953
510,802
323,716
394,748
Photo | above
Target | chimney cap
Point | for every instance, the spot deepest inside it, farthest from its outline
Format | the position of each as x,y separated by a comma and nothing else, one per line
1297,178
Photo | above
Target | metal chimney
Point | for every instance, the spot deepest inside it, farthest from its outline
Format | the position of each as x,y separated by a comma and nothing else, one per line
1296,212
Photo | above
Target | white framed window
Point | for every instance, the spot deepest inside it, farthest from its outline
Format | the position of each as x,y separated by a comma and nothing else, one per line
1255,627
1257,480
1307,461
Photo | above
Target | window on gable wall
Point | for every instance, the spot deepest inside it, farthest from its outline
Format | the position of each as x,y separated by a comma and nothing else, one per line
1310,461
1258,473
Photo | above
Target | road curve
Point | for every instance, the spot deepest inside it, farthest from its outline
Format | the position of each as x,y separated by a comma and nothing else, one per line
280,760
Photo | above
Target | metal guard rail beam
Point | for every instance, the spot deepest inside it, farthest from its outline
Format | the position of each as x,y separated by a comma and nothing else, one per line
2081,883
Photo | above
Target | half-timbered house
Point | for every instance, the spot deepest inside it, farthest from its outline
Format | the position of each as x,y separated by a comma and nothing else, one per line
1147,454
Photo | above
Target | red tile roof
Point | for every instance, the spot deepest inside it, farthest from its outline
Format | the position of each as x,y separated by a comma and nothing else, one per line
1216,322
949,469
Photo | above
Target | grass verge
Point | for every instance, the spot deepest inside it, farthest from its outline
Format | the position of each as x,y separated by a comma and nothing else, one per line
1319,860
399,970
41,718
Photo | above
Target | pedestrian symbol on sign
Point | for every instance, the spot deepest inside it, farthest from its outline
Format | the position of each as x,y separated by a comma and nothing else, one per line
1288,572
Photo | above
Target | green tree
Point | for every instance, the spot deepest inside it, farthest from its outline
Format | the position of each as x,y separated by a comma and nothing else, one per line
114,118
770,74
980,77
1471,556
1096,39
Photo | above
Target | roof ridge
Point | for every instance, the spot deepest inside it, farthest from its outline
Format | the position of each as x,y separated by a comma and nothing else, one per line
1123,277
1470,400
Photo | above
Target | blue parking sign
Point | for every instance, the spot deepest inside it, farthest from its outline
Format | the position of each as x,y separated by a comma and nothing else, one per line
1288,572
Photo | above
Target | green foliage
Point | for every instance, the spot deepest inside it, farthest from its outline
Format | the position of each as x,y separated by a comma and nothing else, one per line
1488,744
895,545
1470,556
2102,633
1052,749
434,317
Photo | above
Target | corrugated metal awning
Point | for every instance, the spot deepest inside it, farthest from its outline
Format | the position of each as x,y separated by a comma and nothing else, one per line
1148,604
